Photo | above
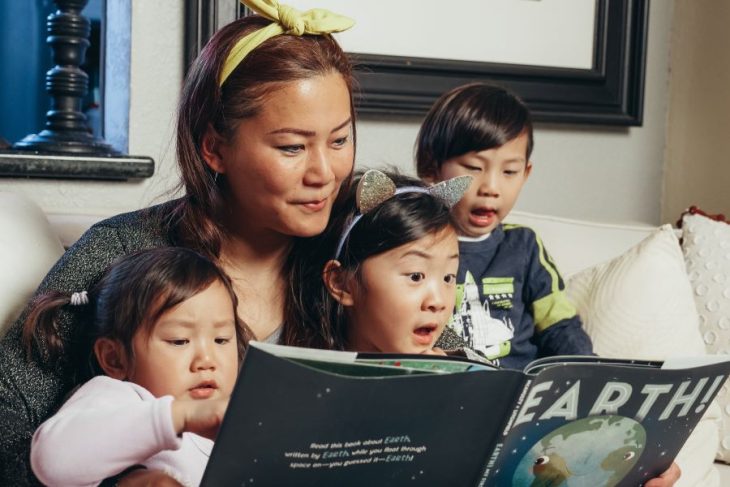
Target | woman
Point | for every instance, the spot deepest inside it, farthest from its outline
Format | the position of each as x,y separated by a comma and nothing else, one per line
265,140
264,144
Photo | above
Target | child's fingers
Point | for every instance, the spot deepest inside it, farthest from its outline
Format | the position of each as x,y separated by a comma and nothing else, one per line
666,479
202,417
147,478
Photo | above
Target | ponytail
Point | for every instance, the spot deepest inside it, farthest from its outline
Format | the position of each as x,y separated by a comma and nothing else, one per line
41,325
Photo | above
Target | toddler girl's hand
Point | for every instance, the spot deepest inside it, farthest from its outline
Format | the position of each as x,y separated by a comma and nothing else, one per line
147,478
202,417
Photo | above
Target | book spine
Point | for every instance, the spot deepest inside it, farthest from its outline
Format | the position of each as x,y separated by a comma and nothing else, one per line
497,448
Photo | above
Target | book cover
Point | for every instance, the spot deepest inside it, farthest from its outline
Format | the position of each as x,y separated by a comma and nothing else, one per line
608,423
320,418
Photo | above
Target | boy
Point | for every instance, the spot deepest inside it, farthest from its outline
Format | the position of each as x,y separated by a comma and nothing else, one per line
510,304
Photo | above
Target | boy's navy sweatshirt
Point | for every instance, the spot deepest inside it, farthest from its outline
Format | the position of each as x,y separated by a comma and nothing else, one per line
511,302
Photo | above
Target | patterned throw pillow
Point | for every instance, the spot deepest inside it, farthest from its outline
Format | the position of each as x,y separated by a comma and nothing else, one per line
640,304
706,246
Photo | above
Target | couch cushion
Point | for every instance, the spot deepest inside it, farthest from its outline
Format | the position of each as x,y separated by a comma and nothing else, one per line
69,227
28,249
701,446
575,245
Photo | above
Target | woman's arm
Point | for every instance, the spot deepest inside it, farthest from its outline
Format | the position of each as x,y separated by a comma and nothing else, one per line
32,387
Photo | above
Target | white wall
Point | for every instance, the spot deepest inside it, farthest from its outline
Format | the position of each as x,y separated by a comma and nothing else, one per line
603,174
697,166
607,174
155,78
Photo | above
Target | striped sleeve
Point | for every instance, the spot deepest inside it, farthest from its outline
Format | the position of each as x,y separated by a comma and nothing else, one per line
545,288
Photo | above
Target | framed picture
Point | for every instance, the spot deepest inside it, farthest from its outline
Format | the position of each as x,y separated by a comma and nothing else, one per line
601,83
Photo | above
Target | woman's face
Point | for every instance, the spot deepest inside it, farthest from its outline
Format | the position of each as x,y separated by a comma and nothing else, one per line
284,166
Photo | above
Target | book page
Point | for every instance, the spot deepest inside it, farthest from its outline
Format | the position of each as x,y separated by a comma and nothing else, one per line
440,365
409,362
697,361
305,353
536,366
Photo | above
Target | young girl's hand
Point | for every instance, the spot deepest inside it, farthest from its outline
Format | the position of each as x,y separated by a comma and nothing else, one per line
147,478
202,417
434,351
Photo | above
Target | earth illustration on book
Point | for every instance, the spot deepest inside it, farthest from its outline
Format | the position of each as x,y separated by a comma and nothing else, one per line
598,450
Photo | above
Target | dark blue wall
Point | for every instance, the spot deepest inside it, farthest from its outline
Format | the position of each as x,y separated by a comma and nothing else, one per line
24,59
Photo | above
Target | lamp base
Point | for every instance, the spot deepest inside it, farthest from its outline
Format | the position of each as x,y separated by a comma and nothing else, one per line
71,143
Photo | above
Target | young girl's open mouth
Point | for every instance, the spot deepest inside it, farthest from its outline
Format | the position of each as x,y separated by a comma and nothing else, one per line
424,335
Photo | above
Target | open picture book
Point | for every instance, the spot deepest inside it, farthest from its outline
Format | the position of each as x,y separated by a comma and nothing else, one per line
312,417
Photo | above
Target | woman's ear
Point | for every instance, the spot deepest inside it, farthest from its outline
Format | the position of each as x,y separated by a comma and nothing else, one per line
111,357
211,150
338,282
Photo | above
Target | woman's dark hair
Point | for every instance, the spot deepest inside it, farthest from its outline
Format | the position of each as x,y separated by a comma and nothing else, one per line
131,295
472,117
401,219
197,221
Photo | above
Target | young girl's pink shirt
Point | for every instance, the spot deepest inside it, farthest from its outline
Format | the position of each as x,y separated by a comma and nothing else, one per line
100,417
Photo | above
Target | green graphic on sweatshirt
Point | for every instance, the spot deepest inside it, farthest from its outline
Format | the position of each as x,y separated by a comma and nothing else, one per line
498,285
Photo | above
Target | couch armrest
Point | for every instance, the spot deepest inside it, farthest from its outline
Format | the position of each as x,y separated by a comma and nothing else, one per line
28,249
69,227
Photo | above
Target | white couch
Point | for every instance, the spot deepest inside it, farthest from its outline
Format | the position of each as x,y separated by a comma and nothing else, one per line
31,241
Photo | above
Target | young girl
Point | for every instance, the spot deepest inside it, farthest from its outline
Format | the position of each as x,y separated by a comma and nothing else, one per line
389,283
168,339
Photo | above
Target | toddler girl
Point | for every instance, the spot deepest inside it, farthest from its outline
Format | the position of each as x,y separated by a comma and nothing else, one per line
167,337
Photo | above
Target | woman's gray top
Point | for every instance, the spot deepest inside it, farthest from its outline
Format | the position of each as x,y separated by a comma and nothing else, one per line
31,390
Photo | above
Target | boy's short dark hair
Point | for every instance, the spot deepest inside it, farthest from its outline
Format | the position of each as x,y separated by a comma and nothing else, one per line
472,117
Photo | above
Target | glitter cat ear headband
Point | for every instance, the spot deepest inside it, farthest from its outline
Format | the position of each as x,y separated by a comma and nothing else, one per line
286,20
374,188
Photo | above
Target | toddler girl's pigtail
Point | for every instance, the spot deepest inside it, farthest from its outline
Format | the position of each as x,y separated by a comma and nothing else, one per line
41,325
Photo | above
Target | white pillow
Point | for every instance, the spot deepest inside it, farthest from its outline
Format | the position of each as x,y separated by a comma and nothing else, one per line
640,305
706,245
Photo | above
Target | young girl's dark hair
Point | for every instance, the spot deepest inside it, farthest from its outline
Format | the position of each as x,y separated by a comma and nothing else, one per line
472,117
131,296
399,220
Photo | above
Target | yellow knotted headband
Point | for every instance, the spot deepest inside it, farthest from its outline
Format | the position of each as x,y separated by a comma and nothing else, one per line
286,20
